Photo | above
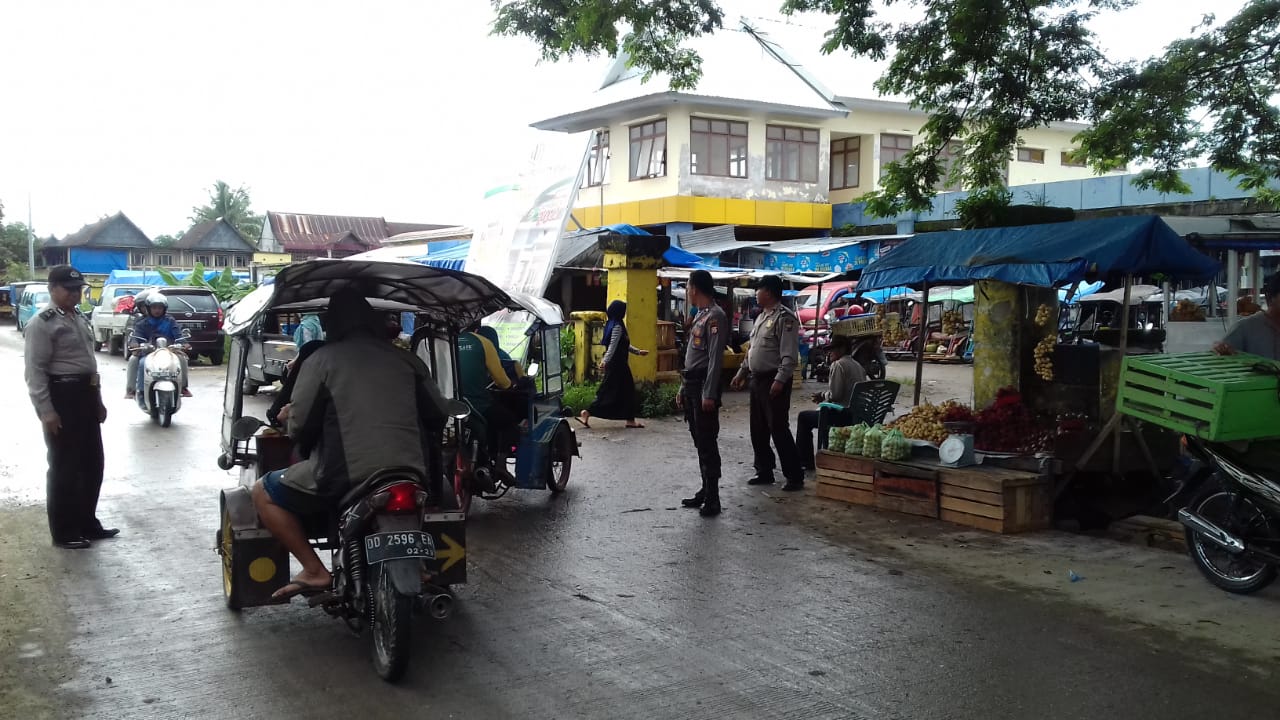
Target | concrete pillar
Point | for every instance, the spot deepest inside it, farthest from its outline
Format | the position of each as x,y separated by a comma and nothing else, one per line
586,345
632,262
1004,336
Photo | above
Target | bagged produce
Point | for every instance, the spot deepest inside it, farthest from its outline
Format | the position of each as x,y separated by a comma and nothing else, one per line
871,442
856,435
895,446
836,437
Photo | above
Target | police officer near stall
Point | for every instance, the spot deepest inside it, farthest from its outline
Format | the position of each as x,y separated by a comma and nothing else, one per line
769,370
699,395
62,379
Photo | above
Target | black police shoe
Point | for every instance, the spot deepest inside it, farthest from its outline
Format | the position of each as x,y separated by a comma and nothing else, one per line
793,485
710,508
695,501
72,543
102,533
761,479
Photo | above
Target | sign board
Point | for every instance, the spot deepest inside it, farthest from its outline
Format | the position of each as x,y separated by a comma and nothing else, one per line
515,244
851,257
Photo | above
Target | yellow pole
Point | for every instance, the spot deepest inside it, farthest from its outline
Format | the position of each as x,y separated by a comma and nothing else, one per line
632,262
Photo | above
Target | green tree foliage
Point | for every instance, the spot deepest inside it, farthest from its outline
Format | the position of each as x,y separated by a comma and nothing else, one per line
985,71
165,240
233,205
13,250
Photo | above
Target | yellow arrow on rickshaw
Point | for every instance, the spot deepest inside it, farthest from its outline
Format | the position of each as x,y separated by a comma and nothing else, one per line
452,554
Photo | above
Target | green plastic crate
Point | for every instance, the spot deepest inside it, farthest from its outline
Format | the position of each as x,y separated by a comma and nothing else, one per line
1220,399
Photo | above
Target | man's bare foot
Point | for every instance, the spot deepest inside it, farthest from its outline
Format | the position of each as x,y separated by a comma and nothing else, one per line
305,583
585,418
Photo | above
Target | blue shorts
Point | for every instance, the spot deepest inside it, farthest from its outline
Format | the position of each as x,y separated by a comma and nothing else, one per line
295,501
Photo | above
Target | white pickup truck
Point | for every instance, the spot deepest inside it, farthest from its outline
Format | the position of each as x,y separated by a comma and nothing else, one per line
109,325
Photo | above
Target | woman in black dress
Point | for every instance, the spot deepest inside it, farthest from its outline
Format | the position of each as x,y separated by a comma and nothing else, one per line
616,398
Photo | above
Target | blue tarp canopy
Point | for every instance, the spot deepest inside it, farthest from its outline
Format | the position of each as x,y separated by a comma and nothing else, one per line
151,277
454,258
1051,255
674,256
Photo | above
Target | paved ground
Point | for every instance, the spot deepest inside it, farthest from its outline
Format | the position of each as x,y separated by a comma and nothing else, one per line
611,603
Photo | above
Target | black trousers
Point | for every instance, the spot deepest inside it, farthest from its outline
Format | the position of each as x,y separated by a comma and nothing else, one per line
821,420
770,421
704,426
75,461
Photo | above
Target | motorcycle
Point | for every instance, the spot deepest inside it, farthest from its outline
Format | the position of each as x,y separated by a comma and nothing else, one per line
1232,521
161,370
383,530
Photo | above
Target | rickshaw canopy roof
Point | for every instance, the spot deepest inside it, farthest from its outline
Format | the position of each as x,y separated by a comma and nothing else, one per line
545,310
449,298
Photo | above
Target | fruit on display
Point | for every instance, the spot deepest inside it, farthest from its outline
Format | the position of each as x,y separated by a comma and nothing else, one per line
1044,357
931,348
1187,311
1044,314
890,326
837,437
853,445
895,446
1009,426
955,412
924,422
871,442
953,322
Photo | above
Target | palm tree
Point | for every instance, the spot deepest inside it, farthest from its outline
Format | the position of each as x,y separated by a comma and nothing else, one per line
232,206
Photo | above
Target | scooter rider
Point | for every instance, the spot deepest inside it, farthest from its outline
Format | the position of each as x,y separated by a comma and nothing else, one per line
156,324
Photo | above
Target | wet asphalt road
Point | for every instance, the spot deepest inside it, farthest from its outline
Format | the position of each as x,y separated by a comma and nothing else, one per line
607,602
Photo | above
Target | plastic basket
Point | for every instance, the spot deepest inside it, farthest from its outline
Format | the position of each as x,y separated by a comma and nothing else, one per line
857,326
1220,399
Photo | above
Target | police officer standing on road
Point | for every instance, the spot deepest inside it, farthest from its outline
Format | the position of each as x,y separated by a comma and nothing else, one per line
699,395
62,379
770,369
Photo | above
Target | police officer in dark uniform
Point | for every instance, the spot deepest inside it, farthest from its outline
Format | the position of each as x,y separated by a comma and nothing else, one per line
62,379
770,370
699,395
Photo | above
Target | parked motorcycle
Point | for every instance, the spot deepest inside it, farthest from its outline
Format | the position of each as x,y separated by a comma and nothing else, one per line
1233,518
161,370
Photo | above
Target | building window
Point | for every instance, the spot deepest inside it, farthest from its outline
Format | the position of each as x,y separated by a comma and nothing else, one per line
164,260
718,147
649,150
893,148
791,154
242,261
598,160
846,162
221,261
138,258
203,260
1030,155
948,156
1072,159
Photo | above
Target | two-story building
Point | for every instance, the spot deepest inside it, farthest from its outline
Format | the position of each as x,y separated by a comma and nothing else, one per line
762,143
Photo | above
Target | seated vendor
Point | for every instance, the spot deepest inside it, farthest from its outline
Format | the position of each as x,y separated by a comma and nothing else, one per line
1258,334
845,374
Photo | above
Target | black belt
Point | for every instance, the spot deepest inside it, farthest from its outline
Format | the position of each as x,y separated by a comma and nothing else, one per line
90,379
695,374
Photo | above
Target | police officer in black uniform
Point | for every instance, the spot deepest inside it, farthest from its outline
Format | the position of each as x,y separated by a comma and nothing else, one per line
62,379
699,395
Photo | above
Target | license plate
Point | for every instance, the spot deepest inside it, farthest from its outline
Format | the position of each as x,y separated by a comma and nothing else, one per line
381,547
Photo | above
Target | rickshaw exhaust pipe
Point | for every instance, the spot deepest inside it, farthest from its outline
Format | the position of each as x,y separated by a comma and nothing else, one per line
440,606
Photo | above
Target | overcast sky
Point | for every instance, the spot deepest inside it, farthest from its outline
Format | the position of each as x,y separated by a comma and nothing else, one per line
405,109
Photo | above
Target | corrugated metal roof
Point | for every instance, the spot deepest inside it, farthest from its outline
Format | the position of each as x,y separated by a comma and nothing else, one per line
815,245
296,231
714,240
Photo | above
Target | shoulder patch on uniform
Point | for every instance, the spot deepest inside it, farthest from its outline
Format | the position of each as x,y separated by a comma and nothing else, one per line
48,314
789,324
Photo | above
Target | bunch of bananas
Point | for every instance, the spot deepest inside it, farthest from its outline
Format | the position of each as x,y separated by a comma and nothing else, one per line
953,322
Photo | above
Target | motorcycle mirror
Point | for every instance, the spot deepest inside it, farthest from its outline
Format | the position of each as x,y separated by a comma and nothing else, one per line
458,410
245,427
533,369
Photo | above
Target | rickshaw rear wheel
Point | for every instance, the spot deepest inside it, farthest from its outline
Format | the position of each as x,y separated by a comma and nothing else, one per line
226,548
560,460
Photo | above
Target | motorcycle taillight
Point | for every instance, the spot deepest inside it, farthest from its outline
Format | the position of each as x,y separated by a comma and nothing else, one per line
402,498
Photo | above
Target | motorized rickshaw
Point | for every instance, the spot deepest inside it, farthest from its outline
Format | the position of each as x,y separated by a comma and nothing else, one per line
398,538
544,445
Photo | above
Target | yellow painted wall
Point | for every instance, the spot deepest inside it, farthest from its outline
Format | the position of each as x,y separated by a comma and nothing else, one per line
708,211
265,258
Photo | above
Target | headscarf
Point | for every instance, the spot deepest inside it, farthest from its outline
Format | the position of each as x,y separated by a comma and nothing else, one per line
616,312
488,333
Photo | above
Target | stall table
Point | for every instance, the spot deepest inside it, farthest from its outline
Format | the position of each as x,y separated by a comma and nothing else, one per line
980,496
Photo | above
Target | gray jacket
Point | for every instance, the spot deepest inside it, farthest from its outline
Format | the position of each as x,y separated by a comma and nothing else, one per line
361,405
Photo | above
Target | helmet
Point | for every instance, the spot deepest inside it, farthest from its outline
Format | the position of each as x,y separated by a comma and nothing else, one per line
156,299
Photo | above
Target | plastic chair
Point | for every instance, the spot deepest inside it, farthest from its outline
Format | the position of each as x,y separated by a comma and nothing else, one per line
869,402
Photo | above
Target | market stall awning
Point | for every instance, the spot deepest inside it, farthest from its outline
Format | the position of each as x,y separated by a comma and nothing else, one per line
1050,255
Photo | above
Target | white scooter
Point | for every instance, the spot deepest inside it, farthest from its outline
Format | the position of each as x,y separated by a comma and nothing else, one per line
161,370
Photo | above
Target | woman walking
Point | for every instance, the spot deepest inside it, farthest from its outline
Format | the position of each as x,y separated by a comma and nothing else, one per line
616,398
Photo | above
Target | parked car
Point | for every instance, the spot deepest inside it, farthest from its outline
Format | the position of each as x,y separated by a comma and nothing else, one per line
35,296
108,325
198,310
809,306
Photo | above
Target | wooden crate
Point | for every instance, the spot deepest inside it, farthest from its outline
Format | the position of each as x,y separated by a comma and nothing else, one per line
909,489
846,478
1220,399
668,360
666,335
994,499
